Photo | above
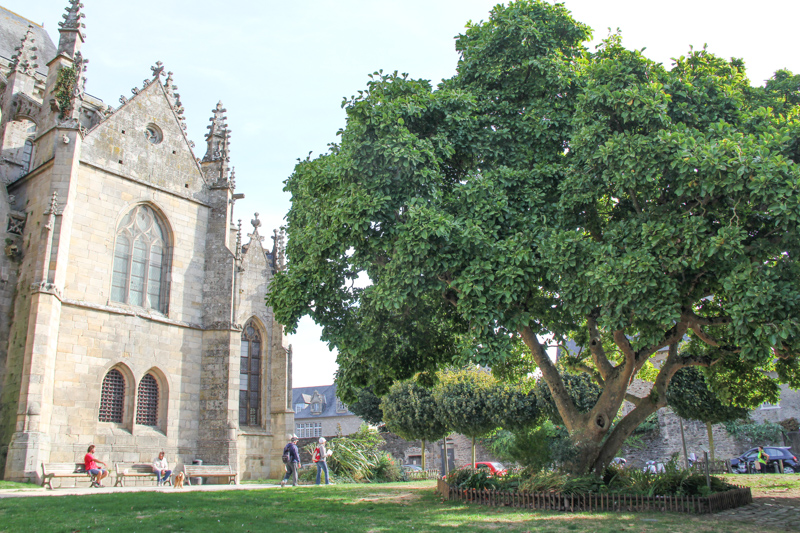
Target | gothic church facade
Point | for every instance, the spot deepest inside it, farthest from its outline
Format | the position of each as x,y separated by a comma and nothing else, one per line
132,315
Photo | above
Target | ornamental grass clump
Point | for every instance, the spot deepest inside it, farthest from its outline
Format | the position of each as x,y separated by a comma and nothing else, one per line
357,458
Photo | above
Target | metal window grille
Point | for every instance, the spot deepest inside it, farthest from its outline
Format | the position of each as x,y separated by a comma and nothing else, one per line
112,397
147,406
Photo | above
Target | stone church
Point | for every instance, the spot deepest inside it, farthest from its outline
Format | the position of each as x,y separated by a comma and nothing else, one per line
132,314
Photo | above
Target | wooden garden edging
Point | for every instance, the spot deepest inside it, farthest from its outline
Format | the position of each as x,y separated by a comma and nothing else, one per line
555,501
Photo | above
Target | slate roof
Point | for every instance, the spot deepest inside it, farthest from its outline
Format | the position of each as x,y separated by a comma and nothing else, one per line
304,395
13,28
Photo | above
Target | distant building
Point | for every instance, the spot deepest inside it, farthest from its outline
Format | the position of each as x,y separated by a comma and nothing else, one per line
319,413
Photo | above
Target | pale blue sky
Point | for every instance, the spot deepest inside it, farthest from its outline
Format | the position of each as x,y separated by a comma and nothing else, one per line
282,69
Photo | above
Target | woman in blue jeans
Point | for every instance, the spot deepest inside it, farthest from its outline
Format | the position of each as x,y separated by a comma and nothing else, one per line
322,464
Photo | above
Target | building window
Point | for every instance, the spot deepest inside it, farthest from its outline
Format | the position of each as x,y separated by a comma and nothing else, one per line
27,155
250,377
298,407
340,407
112,397
147,405
316,407
140,260
308,430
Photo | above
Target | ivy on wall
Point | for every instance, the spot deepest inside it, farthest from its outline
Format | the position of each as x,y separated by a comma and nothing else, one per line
64,88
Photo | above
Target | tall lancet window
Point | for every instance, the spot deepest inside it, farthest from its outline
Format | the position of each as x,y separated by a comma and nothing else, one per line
250,377
141,260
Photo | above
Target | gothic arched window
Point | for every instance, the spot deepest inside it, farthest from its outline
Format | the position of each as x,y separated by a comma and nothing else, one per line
141,260
147,401
250,377
112,397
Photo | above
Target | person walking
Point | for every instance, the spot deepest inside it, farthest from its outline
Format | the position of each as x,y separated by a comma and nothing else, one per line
761,460
291,459
322,461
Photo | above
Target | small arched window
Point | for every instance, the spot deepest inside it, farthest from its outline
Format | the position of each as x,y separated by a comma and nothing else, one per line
147,403
141,260
250,377
112,397
27,155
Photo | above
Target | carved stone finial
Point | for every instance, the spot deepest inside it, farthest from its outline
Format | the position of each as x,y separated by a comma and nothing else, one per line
72,18
24,58
256,224
123,100
232,179
218,136
158,70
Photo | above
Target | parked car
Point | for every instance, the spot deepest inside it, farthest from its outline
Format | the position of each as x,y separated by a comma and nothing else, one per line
497,469
409,468
776,453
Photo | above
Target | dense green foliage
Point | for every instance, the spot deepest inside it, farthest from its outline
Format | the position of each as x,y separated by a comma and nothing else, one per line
766,433
367,407
674,481
549,190
690,397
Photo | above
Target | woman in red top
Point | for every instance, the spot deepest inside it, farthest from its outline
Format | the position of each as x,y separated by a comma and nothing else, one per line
98,474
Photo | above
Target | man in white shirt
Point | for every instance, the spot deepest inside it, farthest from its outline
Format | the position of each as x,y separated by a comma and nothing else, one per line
161,468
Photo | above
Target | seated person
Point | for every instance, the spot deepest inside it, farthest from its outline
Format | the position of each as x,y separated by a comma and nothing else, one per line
98,474
161,468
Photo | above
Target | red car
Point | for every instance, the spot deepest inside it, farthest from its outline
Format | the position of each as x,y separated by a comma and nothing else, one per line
497,469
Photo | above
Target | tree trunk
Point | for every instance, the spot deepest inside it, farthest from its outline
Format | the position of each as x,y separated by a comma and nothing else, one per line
710,441
683,441
444,450
473,452
423,454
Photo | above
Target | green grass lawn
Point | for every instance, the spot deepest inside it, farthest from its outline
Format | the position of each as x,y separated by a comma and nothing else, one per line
398,507
5,485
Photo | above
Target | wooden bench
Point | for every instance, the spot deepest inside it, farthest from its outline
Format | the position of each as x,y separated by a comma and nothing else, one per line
52,470
190,471
129,470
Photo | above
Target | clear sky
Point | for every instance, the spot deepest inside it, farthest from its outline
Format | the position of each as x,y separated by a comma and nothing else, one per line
282,69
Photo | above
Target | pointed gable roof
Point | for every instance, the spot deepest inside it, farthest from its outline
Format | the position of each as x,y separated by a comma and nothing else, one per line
145,139
13,29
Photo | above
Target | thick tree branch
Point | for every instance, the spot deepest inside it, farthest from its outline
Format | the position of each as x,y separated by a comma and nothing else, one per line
692,318
627,350
635,400
593,373
566,408
596,347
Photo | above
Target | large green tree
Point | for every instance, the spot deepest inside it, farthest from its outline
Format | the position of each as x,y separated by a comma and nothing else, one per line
410,410
546,190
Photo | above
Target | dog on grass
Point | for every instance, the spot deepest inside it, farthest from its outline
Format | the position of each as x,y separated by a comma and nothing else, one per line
179,480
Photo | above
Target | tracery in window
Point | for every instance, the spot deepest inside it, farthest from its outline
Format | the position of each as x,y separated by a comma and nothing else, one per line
141,260
250,377
147,401
112,397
